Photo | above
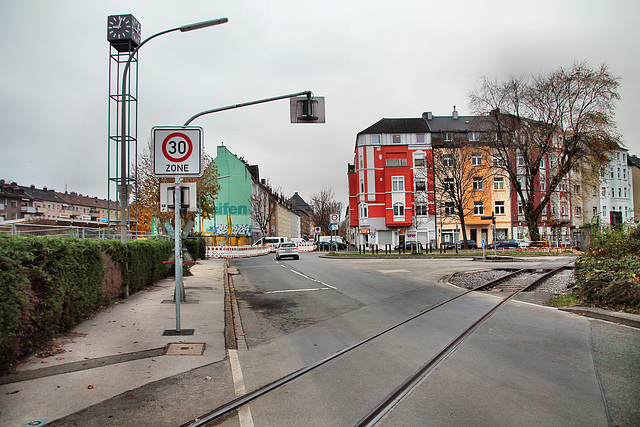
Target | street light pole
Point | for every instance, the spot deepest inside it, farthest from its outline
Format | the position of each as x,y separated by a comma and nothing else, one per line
124,194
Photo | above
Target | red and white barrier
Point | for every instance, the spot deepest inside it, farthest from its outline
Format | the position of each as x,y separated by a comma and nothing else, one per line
236,251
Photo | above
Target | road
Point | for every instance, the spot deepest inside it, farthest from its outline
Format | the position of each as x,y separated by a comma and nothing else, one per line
526,365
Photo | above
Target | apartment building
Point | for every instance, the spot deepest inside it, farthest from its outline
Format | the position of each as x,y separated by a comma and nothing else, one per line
237,203
404,172
391,186
19,202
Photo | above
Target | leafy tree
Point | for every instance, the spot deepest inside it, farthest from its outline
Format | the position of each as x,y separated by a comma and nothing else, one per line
563,120
147,193
324,204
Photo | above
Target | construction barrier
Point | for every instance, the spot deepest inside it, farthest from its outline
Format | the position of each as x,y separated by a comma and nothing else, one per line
306,247
236,251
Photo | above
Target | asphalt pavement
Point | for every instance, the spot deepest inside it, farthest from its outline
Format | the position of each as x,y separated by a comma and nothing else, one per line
121,368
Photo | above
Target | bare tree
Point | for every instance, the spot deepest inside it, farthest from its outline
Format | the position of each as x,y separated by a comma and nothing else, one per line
562,120
324,205
263,208
459,179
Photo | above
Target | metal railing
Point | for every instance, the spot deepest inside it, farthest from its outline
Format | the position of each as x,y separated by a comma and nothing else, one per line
73,231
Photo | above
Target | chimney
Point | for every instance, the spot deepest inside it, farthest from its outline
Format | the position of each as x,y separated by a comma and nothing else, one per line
427,116
44,189
455,113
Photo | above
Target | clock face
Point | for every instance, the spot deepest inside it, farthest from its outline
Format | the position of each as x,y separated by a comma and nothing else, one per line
123,28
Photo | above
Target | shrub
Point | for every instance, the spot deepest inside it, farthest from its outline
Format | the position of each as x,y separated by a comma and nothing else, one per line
608,274
48,285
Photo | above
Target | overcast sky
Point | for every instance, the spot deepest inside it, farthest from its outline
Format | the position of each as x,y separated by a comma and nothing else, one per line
369,58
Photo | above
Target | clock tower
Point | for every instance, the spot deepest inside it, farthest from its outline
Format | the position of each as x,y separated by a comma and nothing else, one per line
123,32
124,36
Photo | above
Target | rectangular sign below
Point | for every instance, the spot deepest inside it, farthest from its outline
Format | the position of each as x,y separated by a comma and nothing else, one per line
177,151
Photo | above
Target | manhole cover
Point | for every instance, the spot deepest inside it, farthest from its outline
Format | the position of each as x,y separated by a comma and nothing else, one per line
185,349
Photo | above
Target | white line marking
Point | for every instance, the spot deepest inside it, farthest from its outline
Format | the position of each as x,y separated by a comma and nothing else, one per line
244,412
392,271
295,290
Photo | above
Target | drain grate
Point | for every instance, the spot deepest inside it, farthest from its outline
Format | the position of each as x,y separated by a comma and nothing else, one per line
185,349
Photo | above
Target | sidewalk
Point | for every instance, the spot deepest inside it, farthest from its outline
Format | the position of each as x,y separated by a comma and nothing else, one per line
120,349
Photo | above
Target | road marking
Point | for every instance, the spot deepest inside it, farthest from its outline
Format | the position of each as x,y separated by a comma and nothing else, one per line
392,271
295,290
244,412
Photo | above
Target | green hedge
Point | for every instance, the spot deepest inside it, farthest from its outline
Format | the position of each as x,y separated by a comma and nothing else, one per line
608,274
48,285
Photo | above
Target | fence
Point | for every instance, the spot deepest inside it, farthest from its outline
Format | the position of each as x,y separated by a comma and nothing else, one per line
25,229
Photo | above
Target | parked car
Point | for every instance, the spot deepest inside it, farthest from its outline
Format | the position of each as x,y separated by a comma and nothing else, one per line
408,246
506,243
471,244
287,249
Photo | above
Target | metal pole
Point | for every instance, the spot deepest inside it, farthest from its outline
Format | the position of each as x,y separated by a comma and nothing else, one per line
178,249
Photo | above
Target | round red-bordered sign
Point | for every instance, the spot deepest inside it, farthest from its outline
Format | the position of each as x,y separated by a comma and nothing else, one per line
176,147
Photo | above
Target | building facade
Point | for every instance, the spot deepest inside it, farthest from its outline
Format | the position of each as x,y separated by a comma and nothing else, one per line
391,189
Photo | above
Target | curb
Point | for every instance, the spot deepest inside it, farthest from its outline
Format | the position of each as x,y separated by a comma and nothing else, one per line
627,319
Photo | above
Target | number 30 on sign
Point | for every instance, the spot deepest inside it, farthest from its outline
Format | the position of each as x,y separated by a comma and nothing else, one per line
177,151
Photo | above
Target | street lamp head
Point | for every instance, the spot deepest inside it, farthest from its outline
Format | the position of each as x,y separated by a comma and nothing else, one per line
203,24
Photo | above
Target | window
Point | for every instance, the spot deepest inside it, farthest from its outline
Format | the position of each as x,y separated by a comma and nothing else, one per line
543,184
449,209
542,163
364,211
421,138
578,211
398,209
498,183
449,185
361,161
397,183
422,210
478,208
520,208
396,162
476,159
419,162
375,139
576,189
362,186
396,139
421,185
498,208
447,160
447,136
520,160
474,136
498,160
477,183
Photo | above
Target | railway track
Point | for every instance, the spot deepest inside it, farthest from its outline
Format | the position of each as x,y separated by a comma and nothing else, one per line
509,285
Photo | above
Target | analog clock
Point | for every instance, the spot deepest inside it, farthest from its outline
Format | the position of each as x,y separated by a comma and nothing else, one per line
123,31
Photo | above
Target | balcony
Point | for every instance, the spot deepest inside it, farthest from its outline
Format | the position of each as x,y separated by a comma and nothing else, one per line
28,209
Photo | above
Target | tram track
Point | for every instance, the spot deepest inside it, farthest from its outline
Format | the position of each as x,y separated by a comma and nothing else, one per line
510,285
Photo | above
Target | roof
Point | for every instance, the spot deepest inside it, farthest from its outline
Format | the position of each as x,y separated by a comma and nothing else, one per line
42,194
417,125
633,161
300,203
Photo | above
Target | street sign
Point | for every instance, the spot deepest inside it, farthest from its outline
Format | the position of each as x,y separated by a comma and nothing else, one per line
177,151
333,227
334,218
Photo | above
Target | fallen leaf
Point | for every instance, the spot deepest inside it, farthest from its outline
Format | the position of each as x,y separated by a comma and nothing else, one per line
90,387
207,378
59,358
13,392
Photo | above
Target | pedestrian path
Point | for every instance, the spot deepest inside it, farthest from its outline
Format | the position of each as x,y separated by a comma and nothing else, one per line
119,349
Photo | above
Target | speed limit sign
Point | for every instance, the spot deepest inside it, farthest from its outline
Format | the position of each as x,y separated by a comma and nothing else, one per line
177,151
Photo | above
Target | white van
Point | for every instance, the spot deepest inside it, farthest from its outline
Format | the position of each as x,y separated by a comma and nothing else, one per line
273,242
